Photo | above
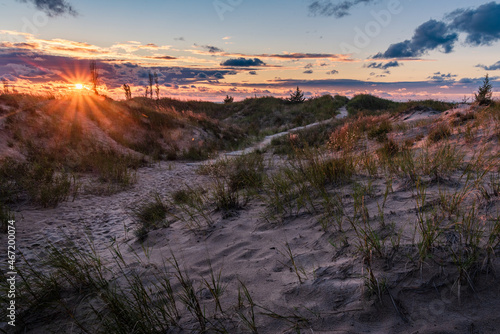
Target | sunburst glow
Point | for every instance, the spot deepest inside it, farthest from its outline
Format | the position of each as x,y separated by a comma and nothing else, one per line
78,86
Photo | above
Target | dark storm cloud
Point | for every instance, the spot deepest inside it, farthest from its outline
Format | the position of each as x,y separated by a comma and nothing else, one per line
493,67
53,7
481,26
337,9
243,62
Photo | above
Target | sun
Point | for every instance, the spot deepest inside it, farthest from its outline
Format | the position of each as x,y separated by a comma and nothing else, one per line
78,86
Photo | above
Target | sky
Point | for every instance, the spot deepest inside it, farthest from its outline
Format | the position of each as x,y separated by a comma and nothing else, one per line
207,49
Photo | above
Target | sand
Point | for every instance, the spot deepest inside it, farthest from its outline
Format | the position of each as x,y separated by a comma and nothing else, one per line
247,247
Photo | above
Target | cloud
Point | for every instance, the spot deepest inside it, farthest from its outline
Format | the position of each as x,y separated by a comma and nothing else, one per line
53,7
218,75
428,36
332,72
179,39
162,57
243,62
210,48
480,26
440,77
252,72
493,67
308,72
384,66
297,55
310,65
338,9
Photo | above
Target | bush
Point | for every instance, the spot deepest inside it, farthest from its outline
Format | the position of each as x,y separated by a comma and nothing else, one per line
380,131
149,216
485,93
439,132
5,216
369,103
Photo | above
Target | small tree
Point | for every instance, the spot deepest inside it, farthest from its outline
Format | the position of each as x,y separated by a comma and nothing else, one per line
94,75
5,86
128,92
151,80
485,93
147,91
228,99
297,96
157,84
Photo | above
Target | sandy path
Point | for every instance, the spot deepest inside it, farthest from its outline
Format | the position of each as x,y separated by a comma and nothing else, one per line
109,218
249,248
268,139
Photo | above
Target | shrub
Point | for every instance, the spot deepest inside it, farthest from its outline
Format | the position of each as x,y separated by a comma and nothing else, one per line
368,103
345,137
5,216
439,131
150,215
485,93
380,131
389,149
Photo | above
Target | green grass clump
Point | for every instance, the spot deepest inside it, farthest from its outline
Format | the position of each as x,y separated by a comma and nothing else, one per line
303,139
150,215
439,131
368,104
5,216
379,132
42,181
110,166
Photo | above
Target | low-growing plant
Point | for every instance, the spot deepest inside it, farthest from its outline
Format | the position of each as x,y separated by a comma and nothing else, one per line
5,216
439,132
150,215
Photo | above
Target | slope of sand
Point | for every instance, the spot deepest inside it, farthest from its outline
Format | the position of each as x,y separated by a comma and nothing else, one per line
247,247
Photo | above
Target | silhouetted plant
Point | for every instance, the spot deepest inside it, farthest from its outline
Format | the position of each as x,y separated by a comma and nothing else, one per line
5,83
128,93
297,96
151,79
484,94
94,75
228,99
157,90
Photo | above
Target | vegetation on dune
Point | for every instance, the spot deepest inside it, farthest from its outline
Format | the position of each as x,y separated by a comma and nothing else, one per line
485,92
365,104
339,177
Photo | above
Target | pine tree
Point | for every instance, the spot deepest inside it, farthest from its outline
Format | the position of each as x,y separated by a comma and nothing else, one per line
297,96
228,99
485,93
